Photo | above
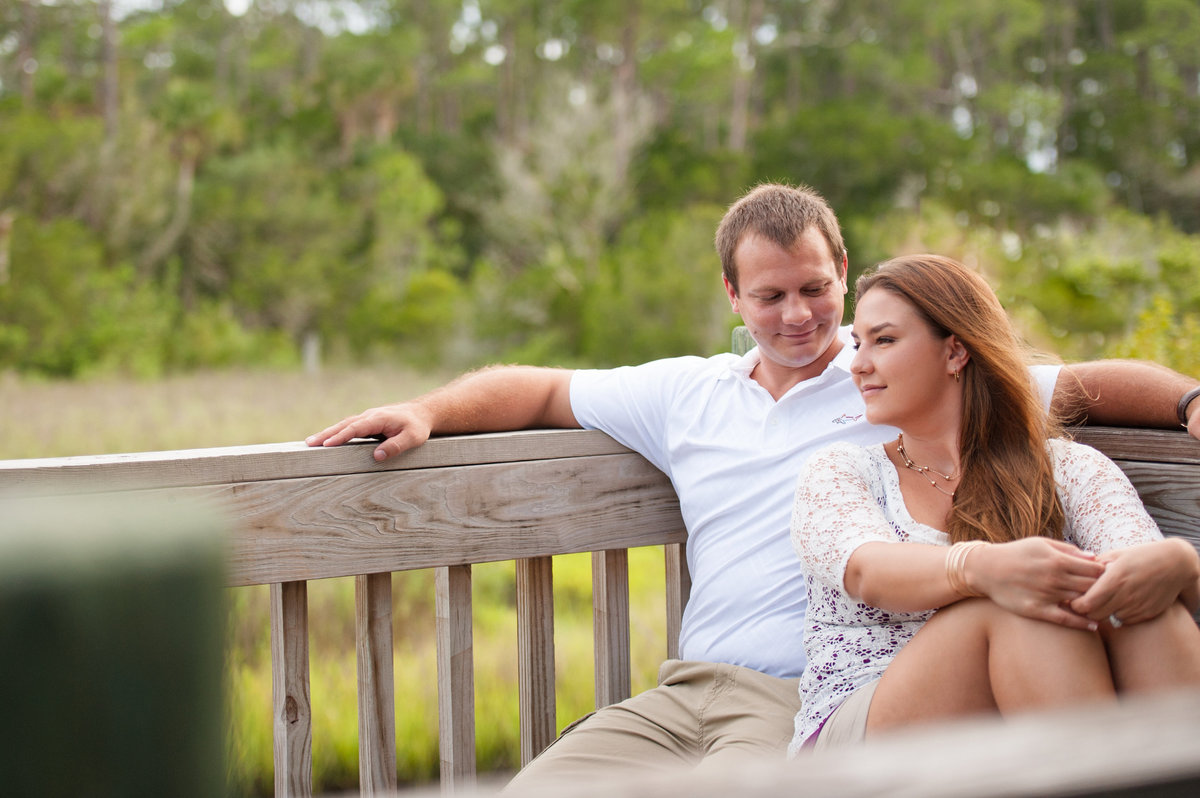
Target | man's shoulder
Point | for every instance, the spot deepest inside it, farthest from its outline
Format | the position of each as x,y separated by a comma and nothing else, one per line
671,367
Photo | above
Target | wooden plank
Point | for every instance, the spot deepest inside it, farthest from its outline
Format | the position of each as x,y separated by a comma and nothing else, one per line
293,460
343,526
376,684
456,677
1154,445
535,655
290,690
679,586
610,624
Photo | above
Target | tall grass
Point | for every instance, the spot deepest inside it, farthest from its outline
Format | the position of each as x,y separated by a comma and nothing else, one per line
51,419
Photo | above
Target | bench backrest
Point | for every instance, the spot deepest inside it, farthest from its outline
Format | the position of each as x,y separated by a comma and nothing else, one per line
302,513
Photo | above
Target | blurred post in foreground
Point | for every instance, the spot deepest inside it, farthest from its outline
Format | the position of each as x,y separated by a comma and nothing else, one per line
111,635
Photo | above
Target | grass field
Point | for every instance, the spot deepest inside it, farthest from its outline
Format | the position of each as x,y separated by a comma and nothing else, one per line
53,419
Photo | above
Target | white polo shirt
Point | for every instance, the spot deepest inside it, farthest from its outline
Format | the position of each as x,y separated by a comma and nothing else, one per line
732,452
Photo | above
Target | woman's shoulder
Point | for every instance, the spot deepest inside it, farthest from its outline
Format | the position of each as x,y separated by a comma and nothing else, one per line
1067,449
1074,461
843,456
848,451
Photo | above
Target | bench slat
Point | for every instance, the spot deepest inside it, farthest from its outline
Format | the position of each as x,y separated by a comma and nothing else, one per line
290,690
535,655
1128,443
376,684
456,676
610,624
359,524
679,586
292,460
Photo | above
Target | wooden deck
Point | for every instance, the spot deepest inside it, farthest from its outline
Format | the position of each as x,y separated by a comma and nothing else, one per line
303,514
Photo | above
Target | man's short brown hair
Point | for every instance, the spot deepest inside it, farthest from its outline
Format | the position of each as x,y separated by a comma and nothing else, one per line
780,214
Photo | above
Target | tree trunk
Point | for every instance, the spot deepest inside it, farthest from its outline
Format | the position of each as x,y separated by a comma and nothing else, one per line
625,90
743,79
167,240
26,63
109,97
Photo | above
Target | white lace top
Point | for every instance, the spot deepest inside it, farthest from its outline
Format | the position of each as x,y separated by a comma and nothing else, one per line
848,495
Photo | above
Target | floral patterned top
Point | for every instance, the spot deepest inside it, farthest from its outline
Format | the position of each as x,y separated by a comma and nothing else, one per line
848,495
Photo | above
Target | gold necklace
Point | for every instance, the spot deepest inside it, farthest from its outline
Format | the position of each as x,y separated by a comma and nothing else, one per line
925,471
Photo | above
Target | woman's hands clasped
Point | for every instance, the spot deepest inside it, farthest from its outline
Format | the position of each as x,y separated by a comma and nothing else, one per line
1141,582
1055,581
1036,577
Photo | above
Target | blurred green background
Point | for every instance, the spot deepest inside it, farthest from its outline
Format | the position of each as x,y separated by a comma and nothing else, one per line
235,221
463,181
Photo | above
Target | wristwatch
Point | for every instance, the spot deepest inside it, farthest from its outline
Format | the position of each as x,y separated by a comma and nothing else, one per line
1184,401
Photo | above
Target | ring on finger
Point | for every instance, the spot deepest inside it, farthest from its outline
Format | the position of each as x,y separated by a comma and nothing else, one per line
1114,621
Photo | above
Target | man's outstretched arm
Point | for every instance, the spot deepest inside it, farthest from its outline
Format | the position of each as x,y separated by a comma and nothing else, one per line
1124,393
493,399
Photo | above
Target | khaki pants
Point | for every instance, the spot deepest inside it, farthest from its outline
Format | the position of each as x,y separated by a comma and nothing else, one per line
700,711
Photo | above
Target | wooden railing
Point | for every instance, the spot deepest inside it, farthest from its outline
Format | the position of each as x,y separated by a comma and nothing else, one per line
304,514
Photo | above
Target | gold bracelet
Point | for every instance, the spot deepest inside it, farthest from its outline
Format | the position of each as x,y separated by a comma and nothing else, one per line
956,562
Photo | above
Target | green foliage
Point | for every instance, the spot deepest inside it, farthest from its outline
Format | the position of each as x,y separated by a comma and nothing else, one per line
63,313
210,336
45,162
659,292
1122,284
460,183
855,153
1164,335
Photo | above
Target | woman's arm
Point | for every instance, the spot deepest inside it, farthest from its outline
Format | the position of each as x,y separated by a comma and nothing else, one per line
1034,577
900,577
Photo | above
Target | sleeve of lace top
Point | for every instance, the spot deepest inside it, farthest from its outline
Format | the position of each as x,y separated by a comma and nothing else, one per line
1103,510
837,509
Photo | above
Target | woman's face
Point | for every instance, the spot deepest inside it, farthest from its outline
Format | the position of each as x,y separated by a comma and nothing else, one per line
904,371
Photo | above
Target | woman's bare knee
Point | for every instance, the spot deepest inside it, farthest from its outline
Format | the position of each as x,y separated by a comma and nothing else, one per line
1161,653
980,656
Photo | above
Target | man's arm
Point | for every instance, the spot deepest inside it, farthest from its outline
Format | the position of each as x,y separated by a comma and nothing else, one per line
494,399
1124,393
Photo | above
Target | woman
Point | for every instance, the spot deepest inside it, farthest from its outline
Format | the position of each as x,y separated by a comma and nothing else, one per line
975,564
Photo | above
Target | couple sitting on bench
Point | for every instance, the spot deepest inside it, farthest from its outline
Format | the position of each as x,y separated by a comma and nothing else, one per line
976,465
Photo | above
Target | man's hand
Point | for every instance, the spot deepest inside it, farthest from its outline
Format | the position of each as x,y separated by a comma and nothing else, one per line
1140,582
403,426
493,399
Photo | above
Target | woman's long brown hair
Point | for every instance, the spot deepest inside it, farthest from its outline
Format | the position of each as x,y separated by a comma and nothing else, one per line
1007,486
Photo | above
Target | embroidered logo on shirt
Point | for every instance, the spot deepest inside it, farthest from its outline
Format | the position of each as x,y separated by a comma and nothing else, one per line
846,418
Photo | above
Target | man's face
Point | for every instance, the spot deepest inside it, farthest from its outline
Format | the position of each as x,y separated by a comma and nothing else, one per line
791,301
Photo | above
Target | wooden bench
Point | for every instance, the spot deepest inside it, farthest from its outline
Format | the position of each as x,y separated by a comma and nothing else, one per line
304,514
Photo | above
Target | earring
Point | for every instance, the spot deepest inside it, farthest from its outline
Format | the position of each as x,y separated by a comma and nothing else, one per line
956,372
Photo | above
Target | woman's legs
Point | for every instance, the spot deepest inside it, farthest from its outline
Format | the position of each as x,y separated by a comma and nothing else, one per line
974,657
1158,654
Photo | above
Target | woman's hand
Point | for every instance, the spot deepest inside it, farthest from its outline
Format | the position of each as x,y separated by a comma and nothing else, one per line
1036,577
1140,582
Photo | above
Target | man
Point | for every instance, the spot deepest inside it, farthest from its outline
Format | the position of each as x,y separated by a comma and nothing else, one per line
731,432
